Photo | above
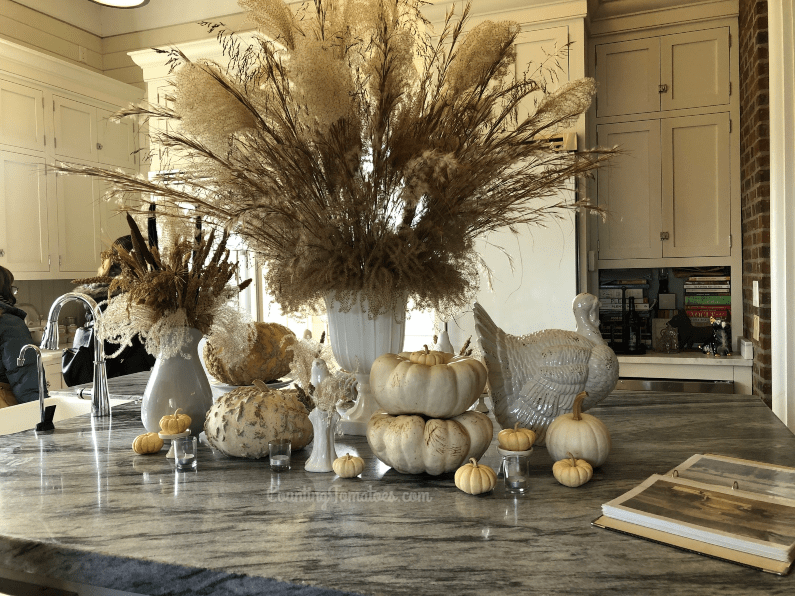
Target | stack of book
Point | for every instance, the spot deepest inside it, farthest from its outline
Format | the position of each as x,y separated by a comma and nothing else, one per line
708,297
733,509
614,303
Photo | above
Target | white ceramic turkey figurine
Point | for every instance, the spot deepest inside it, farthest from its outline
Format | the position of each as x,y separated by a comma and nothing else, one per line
426,426
534,378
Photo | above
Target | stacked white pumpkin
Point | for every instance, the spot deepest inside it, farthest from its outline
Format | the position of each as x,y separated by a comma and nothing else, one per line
426,425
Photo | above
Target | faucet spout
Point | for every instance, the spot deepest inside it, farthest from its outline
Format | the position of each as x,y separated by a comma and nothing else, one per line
100,402
45,425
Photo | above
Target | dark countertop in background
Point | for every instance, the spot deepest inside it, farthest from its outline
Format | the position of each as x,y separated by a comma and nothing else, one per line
81,506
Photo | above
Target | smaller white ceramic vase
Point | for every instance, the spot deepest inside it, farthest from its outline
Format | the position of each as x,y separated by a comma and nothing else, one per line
324,426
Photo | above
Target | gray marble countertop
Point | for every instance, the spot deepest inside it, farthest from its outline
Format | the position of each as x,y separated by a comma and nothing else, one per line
81,506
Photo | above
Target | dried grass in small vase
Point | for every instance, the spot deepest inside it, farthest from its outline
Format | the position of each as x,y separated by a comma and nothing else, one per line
161,296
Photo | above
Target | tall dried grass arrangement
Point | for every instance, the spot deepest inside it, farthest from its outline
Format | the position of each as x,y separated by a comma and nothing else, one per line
355,150
161,296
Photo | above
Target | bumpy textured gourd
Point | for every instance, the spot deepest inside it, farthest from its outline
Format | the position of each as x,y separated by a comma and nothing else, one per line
434,384
413,444
147,443
572,472
348,466
475,479
175,424
584,435
242,422
268,358
516,439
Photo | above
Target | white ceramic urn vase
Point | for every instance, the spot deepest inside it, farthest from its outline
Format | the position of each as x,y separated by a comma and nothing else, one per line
178,382
357,339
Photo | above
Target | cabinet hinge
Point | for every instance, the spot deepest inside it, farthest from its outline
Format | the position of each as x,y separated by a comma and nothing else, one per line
730,40
730,240
60,261
55,142
45,140
730,87
53,105
730,125
49,261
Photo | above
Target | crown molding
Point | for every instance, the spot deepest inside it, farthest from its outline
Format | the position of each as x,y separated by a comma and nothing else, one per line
31,64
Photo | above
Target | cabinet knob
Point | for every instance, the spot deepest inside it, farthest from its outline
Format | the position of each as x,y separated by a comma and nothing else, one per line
663,88
2,252
663,235
99,146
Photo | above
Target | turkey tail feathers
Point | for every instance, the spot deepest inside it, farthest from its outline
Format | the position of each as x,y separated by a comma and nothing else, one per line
492,344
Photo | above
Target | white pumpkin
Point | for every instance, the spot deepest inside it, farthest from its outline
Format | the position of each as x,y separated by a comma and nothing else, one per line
582,436
243,421
413,444
433,384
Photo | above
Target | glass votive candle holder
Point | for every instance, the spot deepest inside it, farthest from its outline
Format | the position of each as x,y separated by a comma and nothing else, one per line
279,452
185,450
516,469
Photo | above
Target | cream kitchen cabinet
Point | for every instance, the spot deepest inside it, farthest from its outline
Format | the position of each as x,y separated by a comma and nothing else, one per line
79,226
21,116
54,227
669,193
26,214
668,72
87,132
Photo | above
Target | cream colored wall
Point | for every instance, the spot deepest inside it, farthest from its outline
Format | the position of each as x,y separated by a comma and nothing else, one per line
38,31
118,65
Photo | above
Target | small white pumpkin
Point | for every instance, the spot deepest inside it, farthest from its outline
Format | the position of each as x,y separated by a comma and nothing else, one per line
242,422
572,472
516,439
413,445
583,435
348,466
475,479
433,384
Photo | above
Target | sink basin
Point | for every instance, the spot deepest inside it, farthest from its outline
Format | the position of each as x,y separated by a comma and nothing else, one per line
26,416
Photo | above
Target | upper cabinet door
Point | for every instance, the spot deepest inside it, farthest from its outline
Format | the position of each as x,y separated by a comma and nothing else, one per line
629,77
115,140
695,68
78,223
75,129
24,217
629,191
696,189
21,116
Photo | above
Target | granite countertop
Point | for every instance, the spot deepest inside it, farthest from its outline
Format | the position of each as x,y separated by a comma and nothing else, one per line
80,506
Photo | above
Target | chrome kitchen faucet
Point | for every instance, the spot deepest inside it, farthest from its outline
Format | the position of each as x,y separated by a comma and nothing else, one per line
100,402
45,424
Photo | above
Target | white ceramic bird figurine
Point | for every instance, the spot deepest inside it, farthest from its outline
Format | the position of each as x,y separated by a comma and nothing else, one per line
534,378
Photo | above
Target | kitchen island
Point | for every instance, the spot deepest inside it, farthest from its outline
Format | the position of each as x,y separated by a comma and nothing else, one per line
80,506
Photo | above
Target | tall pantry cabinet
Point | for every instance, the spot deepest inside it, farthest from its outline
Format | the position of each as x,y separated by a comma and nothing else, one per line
668,98
54,227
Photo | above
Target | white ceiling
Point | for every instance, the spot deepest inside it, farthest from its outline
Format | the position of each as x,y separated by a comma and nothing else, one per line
105,22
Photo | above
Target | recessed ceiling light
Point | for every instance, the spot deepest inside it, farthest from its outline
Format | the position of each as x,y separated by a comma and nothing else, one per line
121,3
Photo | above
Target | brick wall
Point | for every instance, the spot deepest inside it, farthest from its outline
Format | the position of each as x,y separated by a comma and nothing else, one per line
755,183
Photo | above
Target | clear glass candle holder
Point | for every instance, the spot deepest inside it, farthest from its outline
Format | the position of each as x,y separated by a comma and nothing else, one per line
279,453
516,469
185,451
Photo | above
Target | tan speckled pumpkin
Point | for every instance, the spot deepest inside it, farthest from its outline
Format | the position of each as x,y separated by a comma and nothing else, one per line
240,423
267,360
147,443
